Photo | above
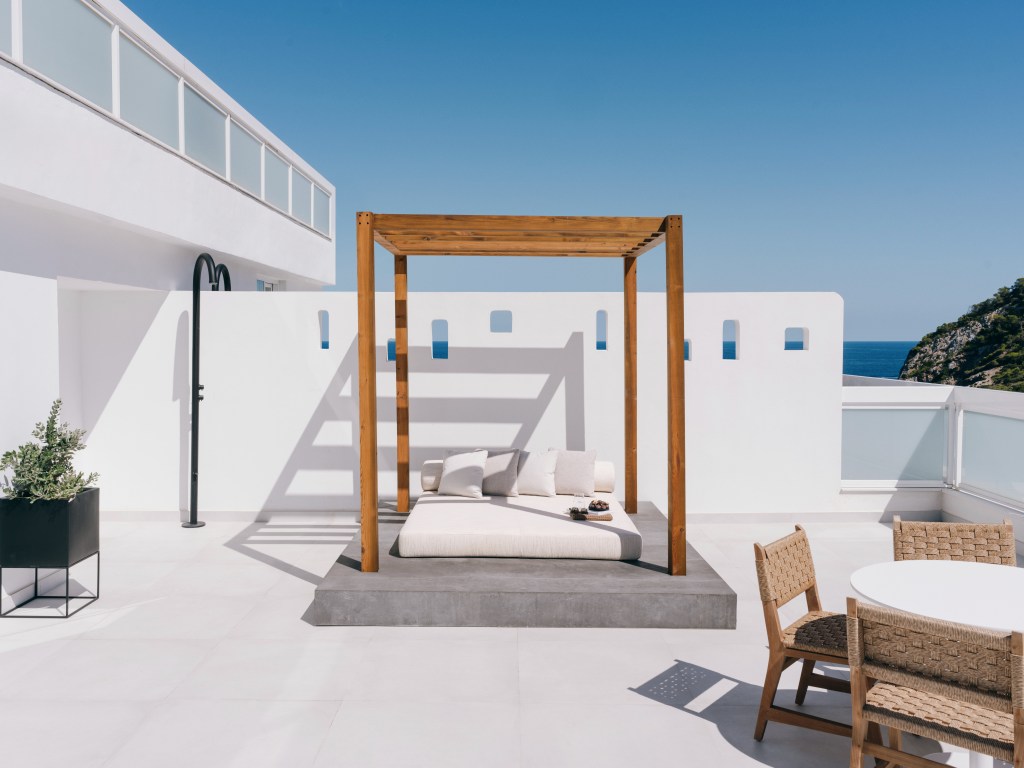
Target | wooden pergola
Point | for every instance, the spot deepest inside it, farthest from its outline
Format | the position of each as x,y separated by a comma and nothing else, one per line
627,238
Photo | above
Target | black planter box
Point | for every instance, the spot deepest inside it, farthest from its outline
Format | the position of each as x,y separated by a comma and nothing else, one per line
49,534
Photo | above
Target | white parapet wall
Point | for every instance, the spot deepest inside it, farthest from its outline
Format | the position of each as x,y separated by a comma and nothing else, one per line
279,424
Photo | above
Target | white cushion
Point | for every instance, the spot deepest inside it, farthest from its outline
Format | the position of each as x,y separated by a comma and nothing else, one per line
574,472
604,477
537,473
501,472
528,526
430,474
463,474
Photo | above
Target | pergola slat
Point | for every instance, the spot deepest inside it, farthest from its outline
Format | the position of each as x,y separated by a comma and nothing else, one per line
561,236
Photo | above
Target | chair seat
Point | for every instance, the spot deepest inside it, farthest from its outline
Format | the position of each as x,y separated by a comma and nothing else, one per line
933,716
821,632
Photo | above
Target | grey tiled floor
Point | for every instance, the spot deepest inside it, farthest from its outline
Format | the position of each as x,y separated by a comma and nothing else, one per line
197,655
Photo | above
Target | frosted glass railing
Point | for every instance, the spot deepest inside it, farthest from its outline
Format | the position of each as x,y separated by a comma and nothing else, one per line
902,446
149,93
275,179
5,27
992,455
69,43
74,45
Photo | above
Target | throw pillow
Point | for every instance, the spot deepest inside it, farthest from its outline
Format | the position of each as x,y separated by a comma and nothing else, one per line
501,472
574,472
537,473
463,474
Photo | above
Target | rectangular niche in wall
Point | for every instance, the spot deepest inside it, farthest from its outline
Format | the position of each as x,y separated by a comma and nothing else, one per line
324,318
686,349
602,329
731,340
796,339
392,351
501,321
439,339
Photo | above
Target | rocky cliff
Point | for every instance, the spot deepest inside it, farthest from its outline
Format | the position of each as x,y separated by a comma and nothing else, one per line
984,348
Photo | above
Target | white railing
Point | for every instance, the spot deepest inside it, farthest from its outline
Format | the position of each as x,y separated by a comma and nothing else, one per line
935,437
80,49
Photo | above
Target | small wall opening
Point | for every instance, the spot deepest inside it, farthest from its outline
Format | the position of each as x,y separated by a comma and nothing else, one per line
501,321
439,339
686,349
324,318
796,339
602,329
392,350
731,340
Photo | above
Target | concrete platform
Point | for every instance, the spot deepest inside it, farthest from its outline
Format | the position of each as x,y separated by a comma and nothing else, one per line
503,592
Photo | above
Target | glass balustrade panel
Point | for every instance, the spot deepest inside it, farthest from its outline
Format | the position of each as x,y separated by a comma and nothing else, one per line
993,454
149,94
894,445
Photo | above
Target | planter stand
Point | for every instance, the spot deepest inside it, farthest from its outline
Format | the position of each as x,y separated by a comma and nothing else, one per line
87,599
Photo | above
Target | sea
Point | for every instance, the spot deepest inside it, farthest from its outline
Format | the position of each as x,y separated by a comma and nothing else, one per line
882,359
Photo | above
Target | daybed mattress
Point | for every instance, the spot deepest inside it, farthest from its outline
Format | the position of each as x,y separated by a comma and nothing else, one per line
517,526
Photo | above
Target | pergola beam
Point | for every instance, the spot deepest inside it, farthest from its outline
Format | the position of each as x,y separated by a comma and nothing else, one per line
676,395
402,380
630,367
367,391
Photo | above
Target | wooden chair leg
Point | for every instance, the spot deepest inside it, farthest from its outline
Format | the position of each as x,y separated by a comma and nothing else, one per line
857,741
771,685
805,679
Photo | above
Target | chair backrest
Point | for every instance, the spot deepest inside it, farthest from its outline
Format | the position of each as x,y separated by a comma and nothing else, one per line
961,662
979,543
785,570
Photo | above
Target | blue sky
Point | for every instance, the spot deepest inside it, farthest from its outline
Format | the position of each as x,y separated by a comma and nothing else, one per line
875,149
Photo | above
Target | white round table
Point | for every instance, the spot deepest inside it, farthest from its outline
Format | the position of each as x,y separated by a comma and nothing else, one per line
979,594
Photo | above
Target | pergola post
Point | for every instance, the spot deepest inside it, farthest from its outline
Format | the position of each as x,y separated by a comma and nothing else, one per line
629,350
367,391
402,380
673,228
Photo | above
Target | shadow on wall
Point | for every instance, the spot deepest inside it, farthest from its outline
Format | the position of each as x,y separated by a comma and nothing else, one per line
560,365
731,706
108,341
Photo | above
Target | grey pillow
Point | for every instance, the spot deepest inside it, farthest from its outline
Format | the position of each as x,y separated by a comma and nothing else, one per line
501,472
574,472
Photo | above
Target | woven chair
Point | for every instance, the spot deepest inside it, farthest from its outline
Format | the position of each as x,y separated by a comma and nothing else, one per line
954,541
950,682
785,571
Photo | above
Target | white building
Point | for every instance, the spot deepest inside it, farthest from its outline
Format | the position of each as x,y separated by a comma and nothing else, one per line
120,162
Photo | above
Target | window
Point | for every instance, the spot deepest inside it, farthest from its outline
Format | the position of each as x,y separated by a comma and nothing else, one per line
796,339
439,339
325,328
602,329
730,340
69,43
302,190
204,132
5,26
686,349
392,351
264,285
149,93
275,180
245,160
321,211
501,321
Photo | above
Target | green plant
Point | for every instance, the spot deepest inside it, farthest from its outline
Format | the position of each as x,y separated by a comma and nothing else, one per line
44,470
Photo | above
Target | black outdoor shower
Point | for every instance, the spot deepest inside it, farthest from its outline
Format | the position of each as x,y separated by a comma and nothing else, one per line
214,272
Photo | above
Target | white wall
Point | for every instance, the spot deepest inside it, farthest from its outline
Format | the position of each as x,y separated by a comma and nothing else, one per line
279,423
62,157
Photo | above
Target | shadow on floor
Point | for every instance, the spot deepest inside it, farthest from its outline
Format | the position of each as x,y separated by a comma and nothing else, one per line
731,705
251,539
